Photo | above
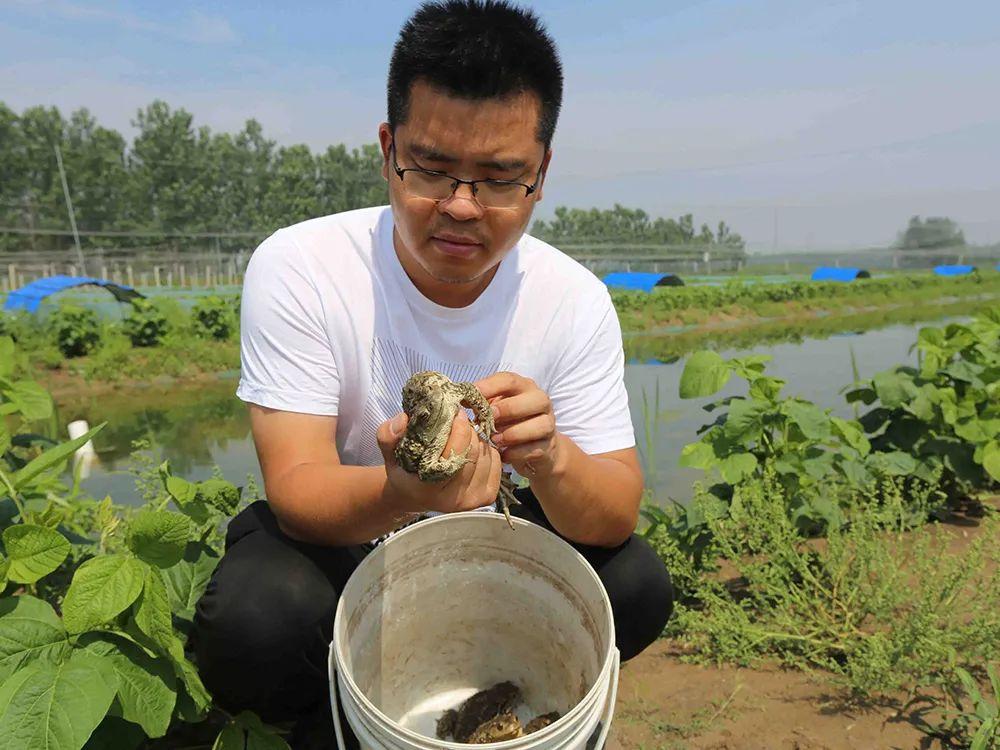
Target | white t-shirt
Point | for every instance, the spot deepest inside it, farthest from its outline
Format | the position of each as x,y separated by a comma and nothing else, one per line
331,324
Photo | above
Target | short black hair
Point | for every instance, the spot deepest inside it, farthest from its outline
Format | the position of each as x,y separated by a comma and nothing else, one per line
476,49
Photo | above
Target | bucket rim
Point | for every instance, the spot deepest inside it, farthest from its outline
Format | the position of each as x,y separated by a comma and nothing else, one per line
559,724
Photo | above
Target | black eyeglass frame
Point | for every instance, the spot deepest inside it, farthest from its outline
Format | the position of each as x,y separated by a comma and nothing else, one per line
456,181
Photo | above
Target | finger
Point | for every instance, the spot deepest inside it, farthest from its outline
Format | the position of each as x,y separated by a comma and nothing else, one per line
501,384
461,435
388,436
533,452
521,406
477,488
540,427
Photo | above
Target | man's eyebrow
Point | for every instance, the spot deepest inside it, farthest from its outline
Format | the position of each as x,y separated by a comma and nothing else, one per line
430,153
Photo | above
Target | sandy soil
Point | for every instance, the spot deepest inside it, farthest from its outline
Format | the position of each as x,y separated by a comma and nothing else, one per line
664,704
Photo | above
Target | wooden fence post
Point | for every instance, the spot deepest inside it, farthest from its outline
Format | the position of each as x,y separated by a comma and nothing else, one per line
104,272
12,275
170,278
131,278
156,274
181,275
72,270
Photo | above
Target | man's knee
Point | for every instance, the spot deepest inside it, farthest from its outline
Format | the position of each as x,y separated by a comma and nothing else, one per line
262,623
641,594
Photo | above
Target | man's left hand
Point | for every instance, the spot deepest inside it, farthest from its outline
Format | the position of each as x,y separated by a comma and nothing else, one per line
526,425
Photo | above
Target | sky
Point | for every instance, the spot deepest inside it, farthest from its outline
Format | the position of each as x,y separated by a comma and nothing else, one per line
803,124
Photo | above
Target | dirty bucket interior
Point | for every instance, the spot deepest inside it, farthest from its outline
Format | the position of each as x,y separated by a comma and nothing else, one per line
459,603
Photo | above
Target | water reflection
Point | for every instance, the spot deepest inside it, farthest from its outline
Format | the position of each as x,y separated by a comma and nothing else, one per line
194,427
198,427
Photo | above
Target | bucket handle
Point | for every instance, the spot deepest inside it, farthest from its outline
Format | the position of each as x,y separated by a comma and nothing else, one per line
335,702
609,706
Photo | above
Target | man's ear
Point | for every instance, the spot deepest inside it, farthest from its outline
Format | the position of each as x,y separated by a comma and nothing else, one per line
385,141
541,177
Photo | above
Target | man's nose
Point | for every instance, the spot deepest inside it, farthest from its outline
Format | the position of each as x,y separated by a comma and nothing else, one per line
462,205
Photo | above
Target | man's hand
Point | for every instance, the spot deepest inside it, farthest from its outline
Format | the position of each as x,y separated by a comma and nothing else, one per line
526,425
475,485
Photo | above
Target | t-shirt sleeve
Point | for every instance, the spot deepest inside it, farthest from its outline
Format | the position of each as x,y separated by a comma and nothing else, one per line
286,357
588,387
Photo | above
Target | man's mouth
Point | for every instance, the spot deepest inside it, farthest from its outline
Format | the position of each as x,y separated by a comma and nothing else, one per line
456,245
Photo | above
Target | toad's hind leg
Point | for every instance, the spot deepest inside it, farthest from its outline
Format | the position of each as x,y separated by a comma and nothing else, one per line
506,496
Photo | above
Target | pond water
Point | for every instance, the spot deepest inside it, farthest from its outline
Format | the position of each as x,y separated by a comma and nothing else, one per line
198,428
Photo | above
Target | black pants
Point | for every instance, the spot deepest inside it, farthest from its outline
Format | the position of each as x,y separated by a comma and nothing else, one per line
264,624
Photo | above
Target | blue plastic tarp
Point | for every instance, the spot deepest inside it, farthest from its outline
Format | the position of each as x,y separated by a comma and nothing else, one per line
953,270
828,273
639,280
30,296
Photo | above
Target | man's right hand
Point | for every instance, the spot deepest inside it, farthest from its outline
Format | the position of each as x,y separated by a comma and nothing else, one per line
475,485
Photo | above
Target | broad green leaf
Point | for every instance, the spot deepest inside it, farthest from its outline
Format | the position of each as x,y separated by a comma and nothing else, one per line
4,565
220,494
180,489
102,588
33,401
29,629
704,373
697,455
745,420
895,462
33,551
766,388
152,611
186,581
894,388
864,394
51,458
185,495
813,421
737,467
977,430
259,735
48,705
159,537
187,673
231,737
852,434
147,687
991,459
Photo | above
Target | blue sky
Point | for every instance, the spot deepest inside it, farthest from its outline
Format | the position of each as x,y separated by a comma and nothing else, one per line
804,124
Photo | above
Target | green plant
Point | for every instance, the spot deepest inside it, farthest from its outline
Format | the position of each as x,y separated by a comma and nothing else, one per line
815,455
945,414
77,330
974,722
96,599
877,604
146,323
215,317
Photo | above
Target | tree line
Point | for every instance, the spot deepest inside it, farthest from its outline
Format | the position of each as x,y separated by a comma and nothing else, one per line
175,177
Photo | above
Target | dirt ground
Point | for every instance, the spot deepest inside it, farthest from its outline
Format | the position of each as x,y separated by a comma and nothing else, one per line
665,704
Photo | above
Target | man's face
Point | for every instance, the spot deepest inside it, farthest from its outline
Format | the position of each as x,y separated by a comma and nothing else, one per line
485,139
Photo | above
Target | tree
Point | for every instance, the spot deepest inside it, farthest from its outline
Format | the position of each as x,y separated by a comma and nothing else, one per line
934,232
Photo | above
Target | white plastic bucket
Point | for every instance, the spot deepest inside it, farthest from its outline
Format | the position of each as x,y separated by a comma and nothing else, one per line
458,603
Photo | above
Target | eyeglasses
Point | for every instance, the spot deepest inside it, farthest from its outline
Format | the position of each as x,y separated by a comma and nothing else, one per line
439,186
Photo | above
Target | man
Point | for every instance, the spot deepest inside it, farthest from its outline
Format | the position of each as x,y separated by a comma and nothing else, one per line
339,311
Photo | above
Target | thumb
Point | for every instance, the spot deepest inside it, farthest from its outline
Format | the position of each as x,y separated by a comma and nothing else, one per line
388,436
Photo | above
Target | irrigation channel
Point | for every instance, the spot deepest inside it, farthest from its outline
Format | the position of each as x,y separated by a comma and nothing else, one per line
199,427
